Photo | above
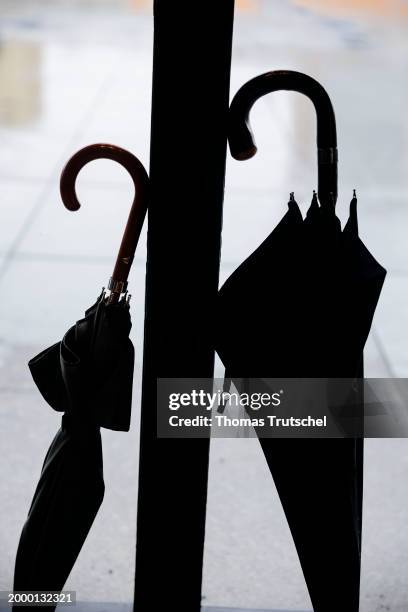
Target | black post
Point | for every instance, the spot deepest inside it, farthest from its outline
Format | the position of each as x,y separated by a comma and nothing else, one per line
191,71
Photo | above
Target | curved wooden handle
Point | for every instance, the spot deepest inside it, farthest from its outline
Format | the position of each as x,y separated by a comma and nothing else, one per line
118,281
241,139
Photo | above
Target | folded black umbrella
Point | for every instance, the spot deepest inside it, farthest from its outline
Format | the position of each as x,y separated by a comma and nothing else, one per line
301,306
88,376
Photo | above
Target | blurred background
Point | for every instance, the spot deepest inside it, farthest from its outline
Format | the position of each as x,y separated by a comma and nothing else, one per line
77,72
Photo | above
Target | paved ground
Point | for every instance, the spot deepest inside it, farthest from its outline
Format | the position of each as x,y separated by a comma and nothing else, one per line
74,73
115,607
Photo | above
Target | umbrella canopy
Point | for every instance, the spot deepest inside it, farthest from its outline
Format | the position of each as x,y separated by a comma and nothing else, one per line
87,376
314,324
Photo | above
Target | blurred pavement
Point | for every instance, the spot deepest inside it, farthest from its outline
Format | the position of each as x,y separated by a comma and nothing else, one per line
73,73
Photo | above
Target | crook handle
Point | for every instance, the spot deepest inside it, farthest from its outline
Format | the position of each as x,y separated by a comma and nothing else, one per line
241,140
118,281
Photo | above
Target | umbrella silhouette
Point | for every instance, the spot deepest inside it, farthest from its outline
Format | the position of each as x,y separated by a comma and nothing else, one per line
318,287
88,377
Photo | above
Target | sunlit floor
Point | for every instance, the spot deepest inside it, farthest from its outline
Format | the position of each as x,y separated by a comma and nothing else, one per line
73,73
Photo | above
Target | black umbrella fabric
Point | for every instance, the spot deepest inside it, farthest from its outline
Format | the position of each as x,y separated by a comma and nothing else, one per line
314,325
88,377
66,501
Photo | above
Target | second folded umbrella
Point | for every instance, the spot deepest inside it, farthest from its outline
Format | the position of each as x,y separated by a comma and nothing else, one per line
313,325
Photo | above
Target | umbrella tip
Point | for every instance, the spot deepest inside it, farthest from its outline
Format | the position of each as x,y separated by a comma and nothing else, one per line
354,193
292,196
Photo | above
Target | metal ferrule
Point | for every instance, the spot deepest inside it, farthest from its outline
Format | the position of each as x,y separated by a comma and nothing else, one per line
117,286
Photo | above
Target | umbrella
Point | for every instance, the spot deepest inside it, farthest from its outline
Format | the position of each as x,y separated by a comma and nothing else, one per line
88,377
313,324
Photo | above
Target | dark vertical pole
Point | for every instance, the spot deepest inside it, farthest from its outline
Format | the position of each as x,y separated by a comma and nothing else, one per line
191,71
